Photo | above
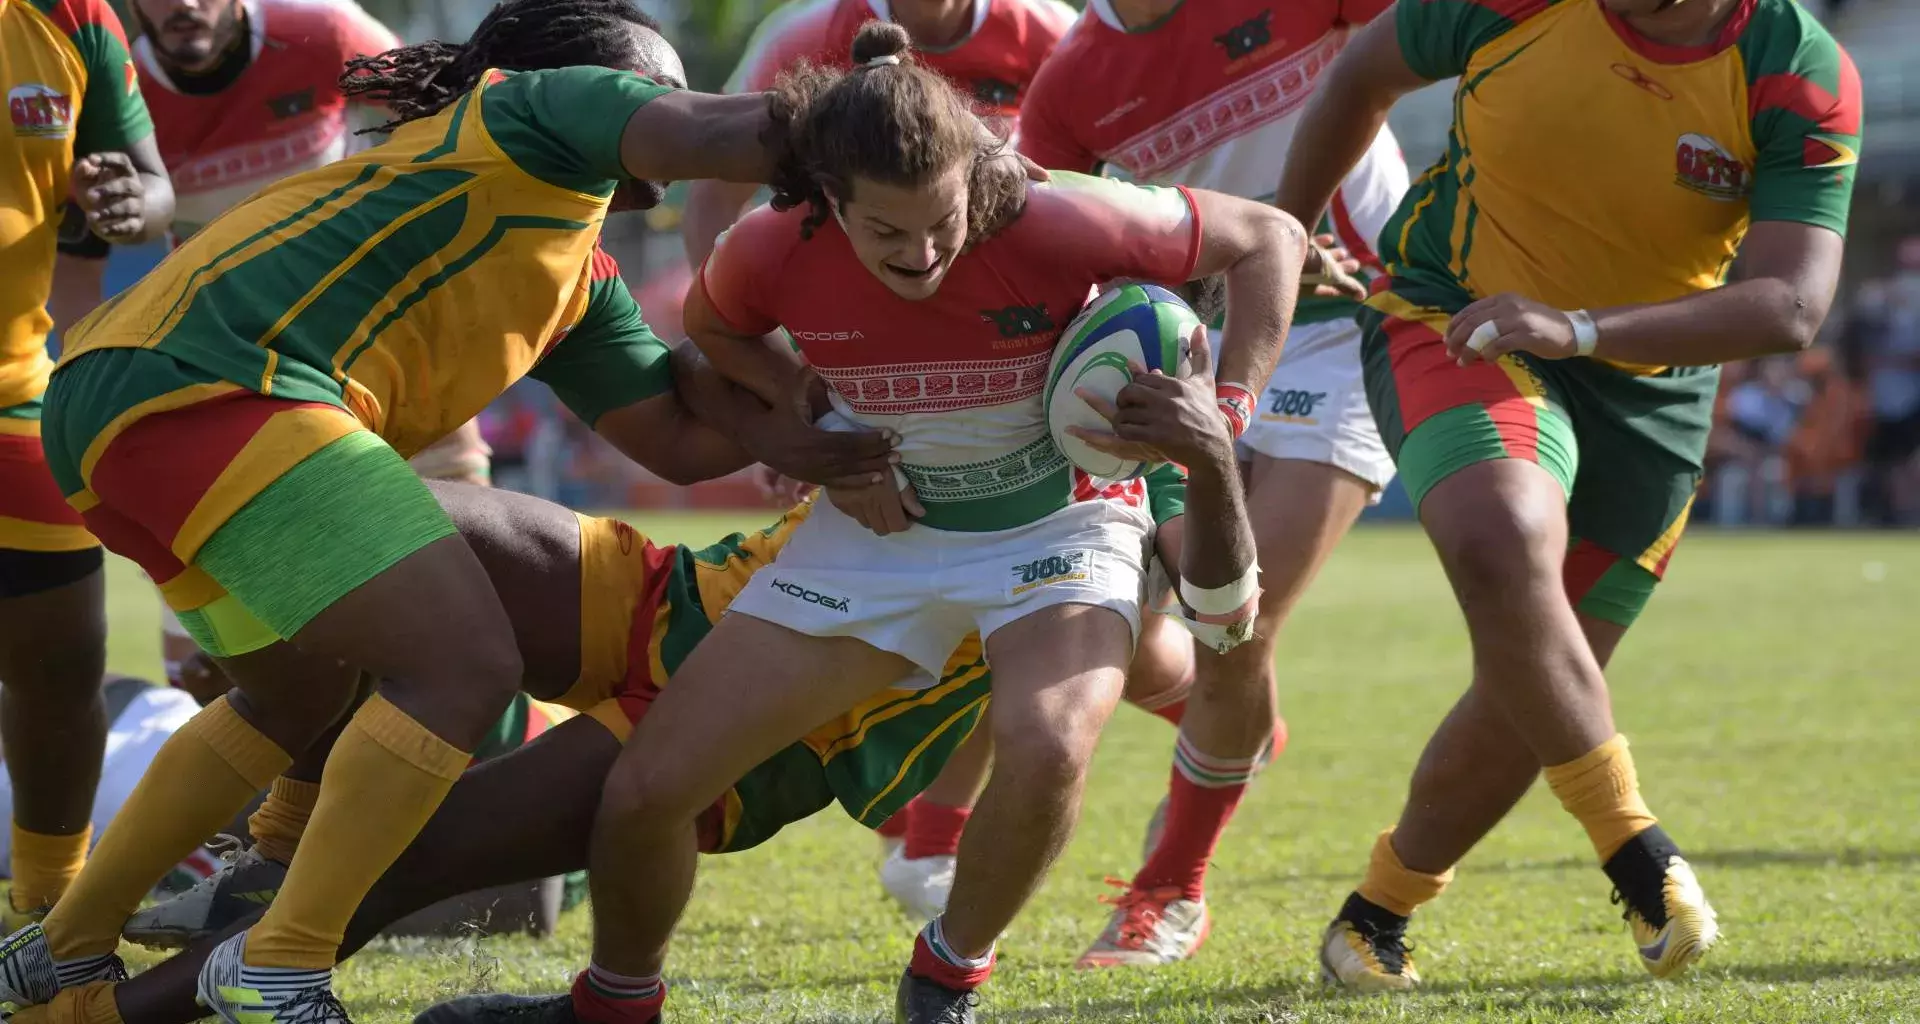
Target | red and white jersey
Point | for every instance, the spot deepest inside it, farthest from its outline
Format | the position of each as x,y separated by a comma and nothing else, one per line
283,115
958,375
1208,97
994,63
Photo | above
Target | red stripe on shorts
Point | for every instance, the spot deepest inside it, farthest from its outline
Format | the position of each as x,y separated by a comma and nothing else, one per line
27,488
639,688
1518,422
1586,563
160,468
1428,382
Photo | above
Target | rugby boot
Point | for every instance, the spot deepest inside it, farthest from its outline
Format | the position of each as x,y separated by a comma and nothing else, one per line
240,994
925,1001
1366,949
919,884
506,1009
1673,925
244,885
29,975
1149,927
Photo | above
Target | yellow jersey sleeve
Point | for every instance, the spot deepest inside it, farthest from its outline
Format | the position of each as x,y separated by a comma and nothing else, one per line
611,359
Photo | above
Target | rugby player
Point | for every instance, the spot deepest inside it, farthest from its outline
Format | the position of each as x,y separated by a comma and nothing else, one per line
989,49
76,130
1123,92
1634,191
237,423
950,280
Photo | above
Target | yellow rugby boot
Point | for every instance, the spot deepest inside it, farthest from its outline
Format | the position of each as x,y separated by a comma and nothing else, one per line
1365,949
1673,924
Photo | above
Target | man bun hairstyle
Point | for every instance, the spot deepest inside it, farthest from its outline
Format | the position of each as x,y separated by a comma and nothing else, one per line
889,119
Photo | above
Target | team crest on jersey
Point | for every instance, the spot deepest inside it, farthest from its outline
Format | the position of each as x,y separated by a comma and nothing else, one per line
38,112
995,93
292,104
1019,321
1246,38
1705,166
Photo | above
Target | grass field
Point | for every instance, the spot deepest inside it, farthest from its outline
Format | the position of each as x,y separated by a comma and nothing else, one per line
1771,696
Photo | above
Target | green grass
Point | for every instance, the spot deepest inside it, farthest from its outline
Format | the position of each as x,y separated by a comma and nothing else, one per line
1770,694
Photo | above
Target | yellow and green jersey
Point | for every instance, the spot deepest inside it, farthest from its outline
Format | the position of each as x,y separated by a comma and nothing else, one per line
412,283
1589,166
70,92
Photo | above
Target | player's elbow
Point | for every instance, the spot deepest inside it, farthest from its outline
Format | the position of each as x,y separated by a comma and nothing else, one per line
1272,234
1796,314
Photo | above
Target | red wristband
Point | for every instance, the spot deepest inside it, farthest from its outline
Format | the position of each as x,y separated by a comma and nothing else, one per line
1236,404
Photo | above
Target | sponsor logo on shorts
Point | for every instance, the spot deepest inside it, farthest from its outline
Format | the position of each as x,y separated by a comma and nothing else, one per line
39,112
1291,405
1065,567
1705,166
800,593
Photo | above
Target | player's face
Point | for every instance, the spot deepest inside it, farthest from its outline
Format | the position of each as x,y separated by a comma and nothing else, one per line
908,236
190,33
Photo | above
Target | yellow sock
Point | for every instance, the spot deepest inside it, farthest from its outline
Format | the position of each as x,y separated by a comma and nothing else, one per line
43,866
1393,886
202,776
92,1003
1601,789
382,782
282,818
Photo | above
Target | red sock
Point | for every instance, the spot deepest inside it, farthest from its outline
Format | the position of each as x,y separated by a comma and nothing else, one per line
602,997
935,961
935,829
1201,798
1173,712
895,827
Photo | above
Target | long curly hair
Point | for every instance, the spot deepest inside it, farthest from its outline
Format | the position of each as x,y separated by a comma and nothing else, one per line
890,121
517,35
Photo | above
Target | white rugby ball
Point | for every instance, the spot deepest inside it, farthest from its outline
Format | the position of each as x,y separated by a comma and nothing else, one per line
1141,323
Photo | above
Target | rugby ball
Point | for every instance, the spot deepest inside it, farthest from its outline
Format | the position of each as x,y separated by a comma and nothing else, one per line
1142,323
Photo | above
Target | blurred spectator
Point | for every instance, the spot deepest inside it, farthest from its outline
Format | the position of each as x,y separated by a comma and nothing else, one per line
1763,407
1823,455
1890,347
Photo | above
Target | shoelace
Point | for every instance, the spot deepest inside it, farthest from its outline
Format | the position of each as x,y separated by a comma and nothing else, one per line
1389,944
955,1012
313,1006
227,848
1142,911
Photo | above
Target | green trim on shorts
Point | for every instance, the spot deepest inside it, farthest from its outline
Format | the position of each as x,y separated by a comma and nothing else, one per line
342,516
1450,441
226,629
27,410
1620,594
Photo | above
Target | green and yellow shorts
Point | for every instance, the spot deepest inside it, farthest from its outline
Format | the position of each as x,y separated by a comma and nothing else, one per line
253,514
34,516
644,607
1627,445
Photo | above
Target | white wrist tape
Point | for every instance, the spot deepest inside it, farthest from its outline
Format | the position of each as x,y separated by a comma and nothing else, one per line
1230,600
1586,333
836,422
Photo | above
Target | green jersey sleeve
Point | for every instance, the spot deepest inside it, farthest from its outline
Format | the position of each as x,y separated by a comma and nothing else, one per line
611,359
1167,492
563,125
113,116
1804,95
1439,37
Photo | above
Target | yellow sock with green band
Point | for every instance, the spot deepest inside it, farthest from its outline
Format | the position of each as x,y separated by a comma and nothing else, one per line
1601,789
204,774
382,782
1391,885
281,819
44,865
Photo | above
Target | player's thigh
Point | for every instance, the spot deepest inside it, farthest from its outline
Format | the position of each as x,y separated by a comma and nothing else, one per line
746,691
1058,673
1300,510
53,630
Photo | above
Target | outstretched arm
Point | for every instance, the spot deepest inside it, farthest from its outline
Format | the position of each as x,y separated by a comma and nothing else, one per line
685,136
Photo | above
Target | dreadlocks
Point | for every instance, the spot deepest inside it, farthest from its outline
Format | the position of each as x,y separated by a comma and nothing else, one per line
517,35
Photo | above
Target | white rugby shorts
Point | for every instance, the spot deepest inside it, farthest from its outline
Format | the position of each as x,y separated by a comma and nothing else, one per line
919,593
1315,407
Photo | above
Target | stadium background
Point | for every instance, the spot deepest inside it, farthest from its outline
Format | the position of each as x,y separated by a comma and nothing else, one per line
1796,440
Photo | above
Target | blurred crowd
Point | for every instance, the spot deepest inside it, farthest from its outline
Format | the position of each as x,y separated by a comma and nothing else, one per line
1830,436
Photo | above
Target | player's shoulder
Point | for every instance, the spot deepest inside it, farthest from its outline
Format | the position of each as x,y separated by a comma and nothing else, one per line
601,266
342,25
771,236
1780,37
793,31
74,16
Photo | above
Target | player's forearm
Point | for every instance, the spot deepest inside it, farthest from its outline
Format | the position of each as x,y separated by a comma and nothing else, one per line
688,450
1338,125
1217,542
686,136
1262,287
712,398
712,207
1759,317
